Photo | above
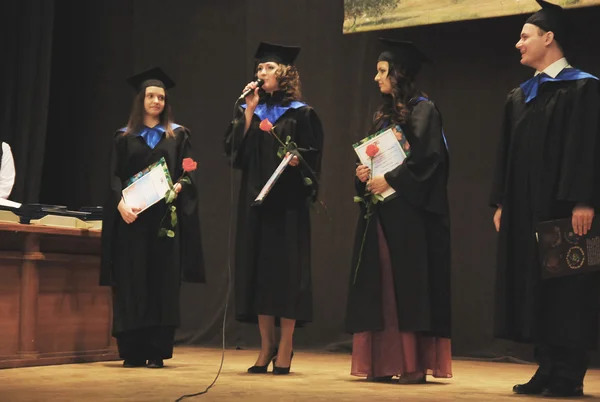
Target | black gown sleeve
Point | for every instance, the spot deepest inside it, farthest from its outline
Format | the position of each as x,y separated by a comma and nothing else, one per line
235,142
499,179
415,177
579,174
192,257
110,214
310,145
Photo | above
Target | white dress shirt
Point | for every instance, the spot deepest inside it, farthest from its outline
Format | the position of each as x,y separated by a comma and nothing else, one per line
7,171
555,68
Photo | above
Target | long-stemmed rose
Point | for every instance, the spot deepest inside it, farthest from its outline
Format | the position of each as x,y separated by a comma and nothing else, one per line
291,147
266,125
188,165
370,200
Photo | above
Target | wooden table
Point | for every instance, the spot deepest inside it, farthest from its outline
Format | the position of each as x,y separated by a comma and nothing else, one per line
52,310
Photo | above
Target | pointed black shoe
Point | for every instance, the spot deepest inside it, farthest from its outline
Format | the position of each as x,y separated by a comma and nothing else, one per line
155,363
535,386
282,370
562,388
385,378
263,369
409,380
130,363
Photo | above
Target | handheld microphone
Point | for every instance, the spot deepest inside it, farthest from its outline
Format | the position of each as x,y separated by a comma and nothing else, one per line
259,83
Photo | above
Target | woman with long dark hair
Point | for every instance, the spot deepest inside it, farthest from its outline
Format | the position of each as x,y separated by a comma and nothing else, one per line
399,298
273,252
144,269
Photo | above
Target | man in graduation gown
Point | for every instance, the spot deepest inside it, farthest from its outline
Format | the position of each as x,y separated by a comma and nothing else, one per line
144,269
547,170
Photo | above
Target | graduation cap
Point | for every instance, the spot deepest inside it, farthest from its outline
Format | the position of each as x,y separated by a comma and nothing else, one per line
277,53
403,53
154,77
550,18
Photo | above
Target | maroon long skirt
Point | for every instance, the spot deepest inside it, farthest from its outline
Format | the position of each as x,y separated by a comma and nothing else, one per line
392,352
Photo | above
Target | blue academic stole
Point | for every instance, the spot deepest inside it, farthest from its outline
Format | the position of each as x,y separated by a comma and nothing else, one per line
152,136
274,112
530,87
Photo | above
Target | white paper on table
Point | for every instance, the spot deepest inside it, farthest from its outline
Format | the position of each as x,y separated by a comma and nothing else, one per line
147,190
9,203
390,155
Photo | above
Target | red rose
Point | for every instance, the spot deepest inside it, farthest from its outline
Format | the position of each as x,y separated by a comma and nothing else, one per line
189,165
372,150
266,125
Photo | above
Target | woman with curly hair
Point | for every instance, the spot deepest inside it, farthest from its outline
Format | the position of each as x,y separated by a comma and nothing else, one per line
399,301
273,248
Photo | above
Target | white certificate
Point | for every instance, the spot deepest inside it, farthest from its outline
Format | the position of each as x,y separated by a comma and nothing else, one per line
148,187
8,203
390,154
269,184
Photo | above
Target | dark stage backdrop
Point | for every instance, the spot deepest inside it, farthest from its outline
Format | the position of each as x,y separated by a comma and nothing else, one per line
207,46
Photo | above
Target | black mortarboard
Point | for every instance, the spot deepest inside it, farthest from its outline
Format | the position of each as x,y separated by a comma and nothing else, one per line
404,54
550,18
277,53
154,77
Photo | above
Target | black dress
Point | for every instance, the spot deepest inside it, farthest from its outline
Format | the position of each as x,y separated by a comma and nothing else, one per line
273,240
416,227
145,271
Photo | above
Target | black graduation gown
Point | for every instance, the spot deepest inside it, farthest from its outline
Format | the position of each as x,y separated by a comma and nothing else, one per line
273,240
145,271
417,229
546,164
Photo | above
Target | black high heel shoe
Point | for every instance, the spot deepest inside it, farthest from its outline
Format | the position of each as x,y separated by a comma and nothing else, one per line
282,370
263,369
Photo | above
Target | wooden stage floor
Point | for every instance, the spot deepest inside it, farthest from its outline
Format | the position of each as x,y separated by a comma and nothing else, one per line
316,376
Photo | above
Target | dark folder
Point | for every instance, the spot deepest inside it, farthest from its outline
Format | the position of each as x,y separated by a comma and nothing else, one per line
563,253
